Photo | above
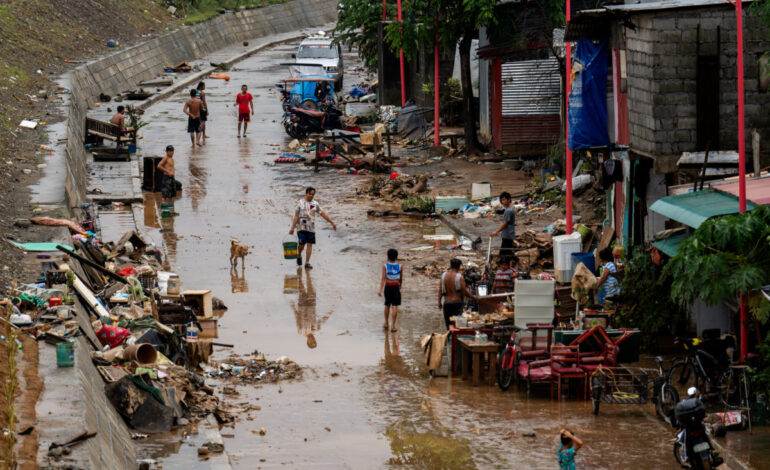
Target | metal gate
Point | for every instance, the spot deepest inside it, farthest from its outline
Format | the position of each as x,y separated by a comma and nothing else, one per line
531,91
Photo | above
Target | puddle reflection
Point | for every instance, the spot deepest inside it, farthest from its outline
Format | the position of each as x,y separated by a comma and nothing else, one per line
308,323
238,280
197,185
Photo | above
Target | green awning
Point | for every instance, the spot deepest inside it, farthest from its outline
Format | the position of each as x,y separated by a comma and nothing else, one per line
692,209
670,246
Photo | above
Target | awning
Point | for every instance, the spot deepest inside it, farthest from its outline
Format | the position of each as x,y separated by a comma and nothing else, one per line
692,209
757,190
670,246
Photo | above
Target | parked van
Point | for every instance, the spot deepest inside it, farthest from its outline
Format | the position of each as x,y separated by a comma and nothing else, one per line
318,49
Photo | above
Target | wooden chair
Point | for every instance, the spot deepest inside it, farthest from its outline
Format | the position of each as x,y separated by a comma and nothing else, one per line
534,365
607,358
565,365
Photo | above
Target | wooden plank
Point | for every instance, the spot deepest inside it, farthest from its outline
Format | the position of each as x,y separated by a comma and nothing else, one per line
103,135
86,294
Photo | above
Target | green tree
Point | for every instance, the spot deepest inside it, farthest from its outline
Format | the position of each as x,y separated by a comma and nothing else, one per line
454,23
357,23
725,256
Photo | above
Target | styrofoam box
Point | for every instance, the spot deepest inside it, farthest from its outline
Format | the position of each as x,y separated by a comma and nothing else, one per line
533,302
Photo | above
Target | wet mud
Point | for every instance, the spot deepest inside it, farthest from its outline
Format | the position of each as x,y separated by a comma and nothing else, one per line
365,399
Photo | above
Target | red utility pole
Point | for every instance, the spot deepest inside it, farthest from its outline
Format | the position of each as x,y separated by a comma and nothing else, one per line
436,139
401,61
741,163
384,10
568,172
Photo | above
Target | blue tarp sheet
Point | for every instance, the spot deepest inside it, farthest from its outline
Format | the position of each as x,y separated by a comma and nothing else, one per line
588,96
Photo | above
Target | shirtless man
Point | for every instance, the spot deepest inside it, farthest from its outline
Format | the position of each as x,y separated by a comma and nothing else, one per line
168,183
192,108
452,288
119,119
205,110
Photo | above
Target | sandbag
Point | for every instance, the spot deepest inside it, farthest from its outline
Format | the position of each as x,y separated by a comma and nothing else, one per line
582,281
433,347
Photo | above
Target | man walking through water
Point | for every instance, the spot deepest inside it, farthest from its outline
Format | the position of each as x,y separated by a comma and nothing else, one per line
304,221
169,186
192,108
245,103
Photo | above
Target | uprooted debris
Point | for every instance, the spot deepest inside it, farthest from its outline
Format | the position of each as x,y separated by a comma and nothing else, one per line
395,187
255,369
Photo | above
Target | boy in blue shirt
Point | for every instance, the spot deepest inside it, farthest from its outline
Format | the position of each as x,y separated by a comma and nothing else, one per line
569,445
390,285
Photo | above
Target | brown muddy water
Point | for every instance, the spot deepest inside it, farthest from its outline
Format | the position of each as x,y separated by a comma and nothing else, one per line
366,399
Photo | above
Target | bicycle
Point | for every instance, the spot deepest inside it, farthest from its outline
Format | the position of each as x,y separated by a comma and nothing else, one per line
701,367
509,357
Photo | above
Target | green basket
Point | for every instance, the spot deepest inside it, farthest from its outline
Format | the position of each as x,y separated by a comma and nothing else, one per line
289,250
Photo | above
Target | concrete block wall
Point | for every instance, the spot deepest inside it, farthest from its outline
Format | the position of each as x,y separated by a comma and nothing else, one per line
661,67
125,69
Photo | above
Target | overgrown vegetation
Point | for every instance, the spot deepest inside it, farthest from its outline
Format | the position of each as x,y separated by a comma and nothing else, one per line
357,23
645,303
196,11
725,256
11,385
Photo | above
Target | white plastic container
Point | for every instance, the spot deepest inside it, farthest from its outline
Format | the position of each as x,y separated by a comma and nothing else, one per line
563,247
533,302
480,191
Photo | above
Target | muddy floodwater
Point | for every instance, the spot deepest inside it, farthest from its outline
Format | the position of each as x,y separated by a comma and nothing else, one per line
365,399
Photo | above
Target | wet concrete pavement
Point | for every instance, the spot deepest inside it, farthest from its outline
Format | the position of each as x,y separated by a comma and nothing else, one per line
366,400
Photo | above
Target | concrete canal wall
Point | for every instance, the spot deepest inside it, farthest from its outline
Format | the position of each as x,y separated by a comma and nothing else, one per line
125,69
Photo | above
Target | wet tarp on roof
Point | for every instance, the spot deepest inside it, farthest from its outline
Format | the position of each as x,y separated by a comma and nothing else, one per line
692,209
757,190
670,246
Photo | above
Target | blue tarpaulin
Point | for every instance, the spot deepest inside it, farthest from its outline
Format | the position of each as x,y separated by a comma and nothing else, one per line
588,96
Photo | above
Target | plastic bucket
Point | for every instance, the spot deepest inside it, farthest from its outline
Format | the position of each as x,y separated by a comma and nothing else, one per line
290,250
65,355
585,258
141,353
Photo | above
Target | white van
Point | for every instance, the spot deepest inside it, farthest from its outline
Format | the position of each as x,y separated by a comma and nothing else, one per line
319,50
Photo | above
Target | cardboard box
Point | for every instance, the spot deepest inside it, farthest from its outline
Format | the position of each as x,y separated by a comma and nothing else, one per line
201,301
371,138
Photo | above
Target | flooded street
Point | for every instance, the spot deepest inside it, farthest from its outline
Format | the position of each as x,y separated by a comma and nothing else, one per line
365,399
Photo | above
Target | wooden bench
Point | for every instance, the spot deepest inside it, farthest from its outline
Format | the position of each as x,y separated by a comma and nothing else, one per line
474,352
97,131
452,136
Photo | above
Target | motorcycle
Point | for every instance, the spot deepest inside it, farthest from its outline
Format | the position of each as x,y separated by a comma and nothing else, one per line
693,447
300,122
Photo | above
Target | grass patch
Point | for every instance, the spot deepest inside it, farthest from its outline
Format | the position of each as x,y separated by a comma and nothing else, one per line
197,11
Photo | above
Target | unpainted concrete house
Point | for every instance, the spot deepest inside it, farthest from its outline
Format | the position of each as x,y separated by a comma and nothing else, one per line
672,88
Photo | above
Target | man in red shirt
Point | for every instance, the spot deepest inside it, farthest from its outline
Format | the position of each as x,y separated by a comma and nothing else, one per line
245,109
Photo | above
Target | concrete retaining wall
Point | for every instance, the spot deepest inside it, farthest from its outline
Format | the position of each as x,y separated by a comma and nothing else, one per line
125,69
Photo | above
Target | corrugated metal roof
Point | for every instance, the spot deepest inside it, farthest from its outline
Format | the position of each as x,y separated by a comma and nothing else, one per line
692,209
667,5
757,190
670,246
531,87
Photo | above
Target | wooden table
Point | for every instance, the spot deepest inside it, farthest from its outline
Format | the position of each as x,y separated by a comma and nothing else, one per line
454,334
475,352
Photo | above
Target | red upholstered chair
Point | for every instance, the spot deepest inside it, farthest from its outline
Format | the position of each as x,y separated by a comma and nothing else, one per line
608,358
534,371
565,365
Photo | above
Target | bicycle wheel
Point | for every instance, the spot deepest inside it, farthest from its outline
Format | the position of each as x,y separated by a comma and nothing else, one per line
506,370
682,376
666,401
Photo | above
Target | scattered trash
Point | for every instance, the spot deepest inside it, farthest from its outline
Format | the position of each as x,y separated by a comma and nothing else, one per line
27,124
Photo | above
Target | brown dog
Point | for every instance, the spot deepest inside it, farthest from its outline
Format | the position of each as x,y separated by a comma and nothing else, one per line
237,251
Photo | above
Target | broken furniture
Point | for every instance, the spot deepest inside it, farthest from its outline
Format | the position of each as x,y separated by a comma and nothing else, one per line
478,359
565,365
455,334
97,131
534,363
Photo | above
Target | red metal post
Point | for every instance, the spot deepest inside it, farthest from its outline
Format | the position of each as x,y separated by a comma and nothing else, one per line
741,164
568,172
401,62
384,10
436,139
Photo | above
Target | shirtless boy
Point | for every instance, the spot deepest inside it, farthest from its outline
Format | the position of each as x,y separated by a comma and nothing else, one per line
192,108
168,183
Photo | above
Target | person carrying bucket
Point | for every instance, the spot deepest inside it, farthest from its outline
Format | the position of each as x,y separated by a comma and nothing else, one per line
304,221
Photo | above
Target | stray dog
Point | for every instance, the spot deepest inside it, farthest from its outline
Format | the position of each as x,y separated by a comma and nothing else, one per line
237,251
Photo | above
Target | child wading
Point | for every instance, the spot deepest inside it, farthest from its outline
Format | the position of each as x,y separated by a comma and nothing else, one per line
569,445
392,280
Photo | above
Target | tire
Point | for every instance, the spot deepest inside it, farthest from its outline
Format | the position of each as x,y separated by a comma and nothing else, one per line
338,86
678,456
596,394
506,371
666,401
682,376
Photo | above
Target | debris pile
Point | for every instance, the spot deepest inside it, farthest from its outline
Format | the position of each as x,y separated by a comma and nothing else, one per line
395,186
256,369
